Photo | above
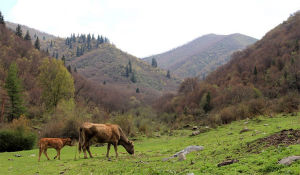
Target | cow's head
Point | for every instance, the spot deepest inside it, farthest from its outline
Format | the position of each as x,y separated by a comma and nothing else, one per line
130,147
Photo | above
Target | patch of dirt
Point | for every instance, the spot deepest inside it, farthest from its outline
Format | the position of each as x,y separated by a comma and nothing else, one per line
284,138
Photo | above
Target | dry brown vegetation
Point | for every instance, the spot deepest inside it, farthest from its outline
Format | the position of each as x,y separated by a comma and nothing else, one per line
262,79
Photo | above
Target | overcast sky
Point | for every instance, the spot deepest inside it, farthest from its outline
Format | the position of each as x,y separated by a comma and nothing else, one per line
146,27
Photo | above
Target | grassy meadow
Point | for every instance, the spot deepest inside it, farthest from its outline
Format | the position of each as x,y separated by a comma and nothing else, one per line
220,144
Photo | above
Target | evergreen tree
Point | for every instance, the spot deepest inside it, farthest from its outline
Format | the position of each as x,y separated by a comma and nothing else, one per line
70,46
27,36
19,31
127,71
168,74
75,69
104,82
44,38
137,90
69,68
14,89
47,51
154,63
255,71
37,43
133,78
1,19
64,60
207,106
129,66
78,51
56,55
51,44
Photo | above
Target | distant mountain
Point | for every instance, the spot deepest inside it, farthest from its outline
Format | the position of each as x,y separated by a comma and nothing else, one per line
103,63
108,64
202,55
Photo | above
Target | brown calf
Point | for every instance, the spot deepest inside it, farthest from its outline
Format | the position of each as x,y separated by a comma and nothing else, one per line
56,143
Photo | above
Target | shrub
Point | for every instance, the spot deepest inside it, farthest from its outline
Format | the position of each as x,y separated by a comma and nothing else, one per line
16,140
126,123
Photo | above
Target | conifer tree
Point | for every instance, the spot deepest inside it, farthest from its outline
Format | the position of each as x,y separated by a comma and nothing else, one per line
1,19
129,67
27,36
75,69
207,106
14,89
19,31
64,60
137,90
69,68
37,43
133,78
154,62
168,74
56,55
127,71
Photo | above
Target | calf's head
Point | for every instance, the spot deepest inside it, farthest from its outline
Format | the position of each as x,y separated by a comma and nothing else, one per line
68,142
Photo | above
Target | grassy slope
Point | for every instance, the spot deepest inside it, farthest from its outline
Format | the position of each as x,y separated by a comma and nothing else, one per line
149,153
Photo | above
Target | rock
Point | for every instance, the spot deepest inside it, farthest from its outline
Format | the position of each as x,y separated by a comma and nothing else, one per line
294,114
195,128
181,157
62,172
190,174
194,133
228,162
109,159
278,127
288,160
32,155
230,133
266,124
18,155
10,159
244,130
192,162
185,151
246,123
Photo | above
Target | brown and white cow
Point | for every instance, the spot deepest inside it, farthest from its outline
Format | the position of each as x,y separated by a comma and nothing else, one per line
56,143
103,133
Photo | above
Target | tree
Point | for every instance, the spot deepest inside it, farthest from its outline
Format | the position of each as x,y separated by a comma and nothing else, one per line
129,66
1,19
133,79
64,60
37,43
127,72
27,37
75,69
56,82
137,90
19,31
14,90
207,106
168,74
154,62
69,68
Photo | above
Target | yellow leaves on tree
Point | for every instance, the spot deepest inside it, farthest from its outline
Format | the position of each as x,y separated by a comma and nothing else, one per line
56,82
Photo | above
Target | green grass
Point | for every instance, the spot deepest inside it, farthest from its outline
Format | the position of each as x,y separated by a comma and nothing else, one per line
219,146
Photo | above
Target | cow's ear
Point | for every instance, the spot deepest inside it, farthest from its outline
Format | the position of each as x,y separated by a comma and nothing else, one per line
130,142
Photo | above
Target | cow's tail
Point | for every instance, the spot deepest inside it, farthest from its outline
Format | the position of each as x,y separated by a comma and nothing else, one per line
81,139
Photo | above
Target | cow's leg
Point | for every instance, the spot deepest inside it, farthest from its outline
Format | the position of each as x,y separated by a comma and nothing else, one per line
88,149
108,148
40,153
84,150
45,152
116,149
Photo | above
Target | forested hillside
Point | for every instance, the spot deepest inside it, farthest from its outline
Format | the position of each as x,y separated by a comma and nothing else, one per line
262,79
202,55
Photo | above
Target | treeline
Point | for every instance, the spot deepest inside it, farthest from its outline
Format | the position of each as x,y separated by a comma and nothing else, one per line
260,80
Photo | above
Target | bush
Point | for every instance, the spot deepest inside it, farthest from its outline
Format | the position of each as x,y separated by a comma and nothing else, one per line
16,140
126,123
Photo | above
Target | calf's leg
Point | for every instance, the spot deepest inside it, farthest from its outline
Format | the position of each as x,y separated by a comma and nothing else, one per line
40,153
45,152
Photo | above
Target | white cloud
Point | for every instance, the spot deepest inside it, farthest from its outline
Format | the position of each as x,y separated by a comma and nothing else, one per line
142,27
